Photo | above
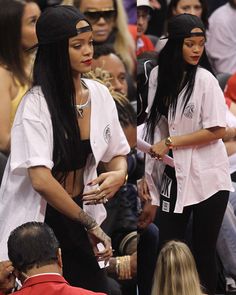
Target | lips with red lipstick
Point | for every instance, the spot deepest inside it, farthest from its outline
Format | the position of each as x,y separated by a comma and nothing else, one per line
195,58
87,62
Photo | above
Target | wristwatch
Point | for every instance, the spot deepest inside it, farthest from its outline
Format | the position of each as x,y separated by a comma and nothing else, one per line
168,142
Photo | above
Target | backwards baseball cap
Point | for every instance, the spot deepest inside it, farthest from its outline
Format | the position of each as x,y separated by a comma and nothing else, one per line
57,23
181,26
144,3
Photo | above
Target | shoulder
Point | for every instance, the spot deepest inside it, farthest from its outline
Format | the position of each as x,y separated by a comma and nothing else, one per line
34,105
99,92
205,77
5,76
220,14
95,85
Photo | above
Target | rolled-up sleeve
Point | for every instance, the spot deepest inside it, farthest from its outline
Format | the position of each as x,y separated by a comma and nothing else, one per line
30,146
213,108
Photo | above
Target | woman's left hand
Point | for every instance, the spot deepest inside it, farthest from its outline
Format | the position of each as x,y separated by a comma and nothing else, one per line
109,183
158,150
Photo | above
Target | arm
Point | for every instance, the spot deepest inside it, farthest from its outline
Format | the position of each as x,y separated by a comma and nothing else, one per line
109,182
5,110
230,134
200,137
51,190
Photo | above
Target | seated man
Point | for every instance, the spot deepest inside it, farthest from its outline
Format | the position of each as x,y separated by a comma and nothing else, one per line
35,254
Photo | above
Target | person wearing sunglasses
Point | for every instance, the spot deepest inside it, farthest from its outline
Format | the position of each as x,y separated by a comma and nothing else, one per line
110,26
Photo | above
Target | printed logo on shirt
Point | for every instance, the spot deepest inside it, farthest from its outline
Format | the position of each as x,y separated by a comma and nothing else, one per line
189,110
107,133
165,206
166,186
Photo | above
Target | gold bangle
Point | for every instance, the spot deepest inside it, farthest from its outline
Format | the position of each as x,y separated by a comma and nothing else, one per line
117,266
93,228
126,179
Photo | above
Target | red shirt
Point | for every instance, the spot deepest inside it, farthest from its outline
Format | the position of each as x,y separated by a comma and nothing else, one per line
51,284
143,43
230,90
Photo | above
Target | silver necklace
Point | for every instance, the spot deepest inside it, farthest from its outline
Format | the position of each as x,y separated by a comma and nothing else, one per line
80,107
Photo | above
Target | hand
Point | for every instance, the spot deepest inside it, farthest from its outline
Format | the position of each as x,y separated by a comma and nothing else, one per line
155,4
147,216
143,190
96,235
158,150
109,184
7,279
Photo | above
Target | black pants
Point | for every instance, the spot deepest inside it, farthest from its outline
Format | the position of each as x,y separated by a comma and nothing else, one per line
80,267
207,219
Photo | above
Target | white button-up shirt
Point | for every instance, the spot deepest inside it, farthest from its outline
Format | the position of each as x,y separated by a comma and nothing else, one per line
221,39
201,170
32,145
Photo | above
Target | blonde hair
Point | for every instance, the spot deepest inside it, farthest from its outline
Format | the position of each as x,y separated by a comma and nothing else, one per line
124,44
176,272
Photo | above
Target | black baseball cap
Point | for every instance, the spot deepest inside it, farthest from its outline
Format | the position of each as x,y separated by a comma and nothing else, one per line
181,26
57,23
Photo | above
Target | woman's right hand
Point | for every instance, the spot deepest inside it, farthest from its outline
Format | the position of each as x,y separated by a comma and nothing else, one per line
97,235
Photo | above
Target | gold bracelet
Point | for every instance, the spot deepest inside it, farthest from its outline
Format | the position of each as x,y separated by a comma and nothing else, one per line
126,179
117,266
123,267
93,228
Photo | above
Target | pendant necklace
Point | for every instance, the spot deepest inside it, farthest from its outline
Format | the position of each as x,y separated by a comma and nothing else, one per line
80,107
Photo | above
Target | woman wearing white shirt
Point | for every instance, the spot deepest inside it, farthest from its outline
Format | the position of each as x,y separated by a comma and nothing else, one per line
187,120
64,127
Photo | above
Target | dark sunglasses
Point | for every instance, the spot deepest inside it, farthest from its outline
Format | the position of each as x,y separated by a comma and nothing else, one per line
94,16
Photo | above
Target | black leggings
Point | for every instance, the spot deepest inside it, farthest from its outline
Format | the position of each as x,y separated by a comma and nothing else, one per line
207,219
80,267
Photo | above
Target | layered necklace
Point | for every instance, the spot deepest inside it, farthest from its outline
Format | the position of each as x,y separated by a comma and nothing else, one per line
80,107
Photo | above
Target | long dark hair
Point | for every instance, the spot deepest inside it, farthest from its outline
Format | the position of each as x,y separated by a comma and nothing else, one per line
204,16
173,76
52,71
11,52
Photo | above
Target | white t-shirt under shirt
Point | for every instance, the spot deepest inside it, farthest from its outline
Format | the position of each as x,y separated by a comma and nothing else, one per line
32,145
202,170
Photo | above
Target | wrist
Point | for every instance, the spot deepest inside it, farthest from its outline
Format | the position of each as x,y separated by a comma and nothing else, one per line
125,177
169,142
93,225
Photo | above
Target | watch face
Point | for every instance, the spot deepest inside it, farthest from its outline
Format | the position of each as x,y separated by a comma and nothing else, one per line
168,141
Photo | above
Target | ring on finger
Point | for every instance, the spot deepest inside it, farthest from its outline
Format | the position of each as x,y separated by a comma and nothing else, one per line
104,200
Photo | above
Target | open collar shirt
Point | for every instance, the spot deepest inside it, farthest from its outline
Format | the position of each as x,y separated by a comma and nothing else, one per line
32,145
202,170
